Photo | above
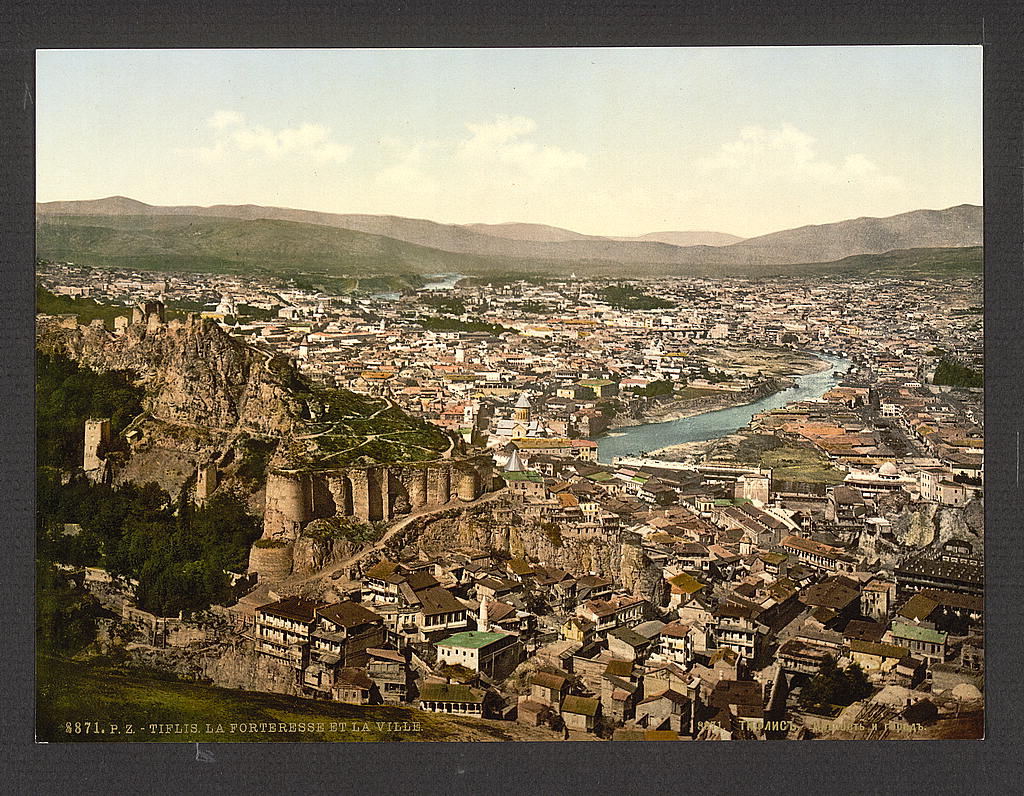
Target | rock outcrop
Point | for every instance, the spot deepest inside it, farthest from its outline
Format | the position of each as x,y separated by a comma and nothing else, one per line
929,525
196,374
620,557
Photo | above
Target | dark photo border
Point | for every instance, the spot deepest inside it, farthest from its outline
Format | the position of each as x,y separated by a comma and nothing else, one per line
990,766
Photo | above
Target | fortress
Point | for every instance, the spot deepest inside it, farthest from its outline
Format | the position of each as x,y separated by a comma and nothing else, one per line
206,392
382,492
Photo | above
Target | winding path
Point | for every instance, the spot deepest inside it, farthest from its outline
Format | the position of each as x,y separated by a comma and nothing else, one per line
297,585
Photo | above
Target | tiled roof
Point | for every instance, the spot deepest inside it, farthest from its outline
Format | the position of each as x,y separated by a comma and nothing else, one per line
348,614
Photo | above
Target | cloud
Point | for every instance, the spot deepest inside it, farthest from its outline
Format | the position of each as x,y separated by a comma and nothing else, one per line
503,143
789,154
408,168
233,133
222,119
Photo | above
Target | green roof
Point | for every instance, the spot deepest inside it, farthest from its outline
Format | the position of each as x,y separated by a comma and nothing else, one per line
523,475
915,633
594,382
686,583
471,639
881,650
919,606
583,706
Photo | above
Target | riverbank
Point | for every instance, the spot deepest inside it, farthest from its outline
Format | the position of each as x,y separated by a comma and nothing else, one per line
680,409
799,364
680,429
690,452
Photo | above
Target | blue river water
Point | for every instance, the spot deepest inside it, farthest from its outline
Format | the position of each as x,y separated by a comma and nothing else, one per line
441,281
637,440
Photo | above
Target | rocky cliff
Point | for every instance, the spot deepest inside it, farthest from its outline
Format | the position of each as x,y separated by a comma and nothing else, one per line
929,525
620,558
923,527
196,375
211,399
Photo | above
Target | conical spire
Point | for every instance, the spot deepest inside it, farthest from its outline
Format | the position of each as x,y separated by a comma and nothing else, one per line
514,463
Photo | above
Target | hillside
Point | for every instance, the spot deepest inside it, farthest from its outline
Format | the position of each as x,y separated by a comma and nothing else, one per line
207,394
908,263
691,238
540,233
220,245
162,239
73,692
955,227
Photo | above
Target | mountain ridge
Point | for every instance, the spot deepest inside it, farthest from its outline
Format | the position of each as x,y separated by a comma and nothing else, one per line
954,227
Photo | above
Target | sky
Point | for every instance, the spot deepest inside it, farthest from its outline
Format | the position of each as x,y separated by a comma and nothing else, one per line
603,141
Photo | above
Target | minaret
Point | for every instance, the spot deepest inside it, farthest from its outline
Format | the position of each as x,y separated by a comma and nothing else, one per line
522,409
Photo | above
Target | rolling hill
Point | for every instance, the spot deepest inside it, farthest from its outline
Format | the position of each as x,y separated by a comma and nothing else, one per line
954,227
215,245
123,231
690,238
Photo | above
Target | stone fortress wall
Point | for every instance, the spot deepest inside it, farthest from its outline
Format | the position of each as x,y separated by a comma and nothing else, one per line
380,492
207,378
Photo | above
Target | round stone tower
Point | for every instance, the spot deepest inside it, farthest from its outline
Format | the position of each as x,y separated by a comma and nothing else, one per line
288,505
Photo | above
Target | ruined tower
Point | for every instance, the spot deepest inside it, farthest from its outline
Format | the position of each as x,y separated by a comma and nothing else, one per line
97,439
150,313
206,482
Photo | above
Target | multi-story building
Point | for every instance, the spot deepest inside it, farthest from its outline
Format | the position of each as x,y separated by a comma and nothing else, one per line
492,654
283,629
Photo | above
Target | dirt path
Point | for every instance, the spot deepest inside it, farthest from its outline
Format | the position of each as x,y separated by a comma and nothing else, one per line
299,584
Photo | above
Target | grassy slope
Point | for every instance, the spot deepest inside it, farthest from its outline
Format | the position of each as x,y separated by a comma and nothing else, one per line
214,245
79,692
217,245
788,461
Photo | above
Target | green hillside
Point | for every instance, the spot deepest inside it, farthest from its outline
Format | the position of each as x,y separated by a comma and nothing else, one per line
214,245
312,252
78,699
911,263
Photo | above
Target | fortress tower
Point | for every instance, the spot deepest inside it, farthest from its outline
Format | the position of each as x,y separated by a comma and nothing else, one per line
97,438
150,313
206,482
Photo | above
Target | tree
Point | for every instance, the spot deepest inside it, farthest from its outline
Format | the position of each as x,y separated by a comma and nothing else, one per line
955,374
835,686
66,613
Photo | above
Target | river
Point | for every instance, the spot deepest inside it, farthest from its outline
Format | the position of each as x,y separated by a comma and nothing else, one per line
636,440
442,281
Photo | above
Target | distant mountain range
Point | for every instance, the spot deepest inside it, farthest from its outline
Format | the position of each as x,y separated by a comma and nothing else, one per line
119,229
541,233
